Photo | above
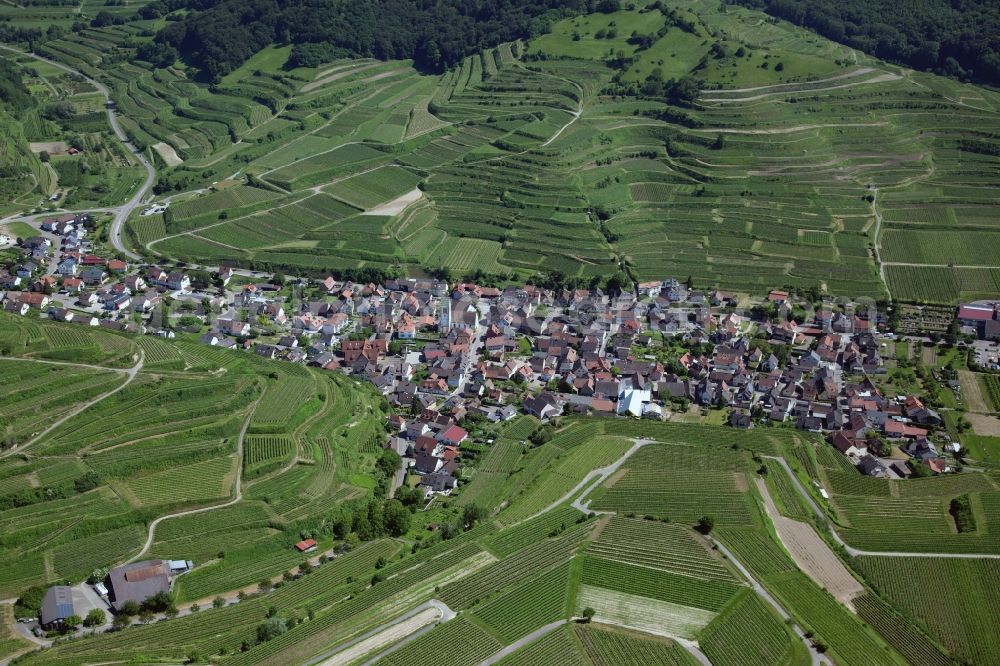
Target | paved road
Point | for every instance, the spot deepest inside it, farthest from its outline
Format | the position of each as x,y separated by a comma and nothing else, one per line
121,212
598,476
472,357
588,483
188,512
694,649
817,658
855,552
521,642
877,244
131,374
445,614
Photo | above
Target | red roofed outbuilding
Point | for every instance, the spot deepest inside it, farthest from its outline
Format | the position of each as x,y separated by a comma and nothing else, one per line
306,546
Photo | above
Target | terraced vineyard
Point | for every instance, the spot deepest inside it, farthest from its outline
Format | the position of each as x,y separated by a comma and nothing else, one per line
908,640
201,481
167,441
607,646
794,161
751,184
672,588
265,452
958,606
491,476
680,483
456,643
661,546
834,624
749,633
907,516
528,606
556,647
564,473
523,535
28,384
514,569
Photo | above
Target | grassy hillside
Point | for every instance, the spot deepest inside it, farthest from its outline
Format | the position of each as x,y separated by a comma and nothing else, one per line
84,481
645,577
81,478
800,161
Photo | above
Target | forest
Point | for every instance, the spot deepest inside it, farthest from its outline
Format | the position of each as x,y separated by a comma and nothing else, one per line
435,34
956,38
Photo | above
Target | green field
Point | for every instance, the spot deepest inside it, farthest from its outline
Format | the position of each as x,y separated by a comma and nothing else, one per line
764,180
883,515
680,483
81,494
957,604
789,161
645,574
749,633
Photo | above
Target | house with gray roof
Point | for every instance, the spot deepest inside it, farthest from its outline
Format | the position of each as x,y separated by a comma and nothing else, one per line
137,581
57,605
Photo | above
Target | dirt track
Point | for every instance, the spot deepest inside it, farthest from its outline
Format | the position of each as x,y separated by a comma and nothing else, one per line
811,553
385,638
983,425
971,391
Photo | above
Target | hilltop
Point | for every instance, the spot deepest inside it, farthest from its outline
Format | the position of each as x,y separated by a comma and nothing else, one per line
682,140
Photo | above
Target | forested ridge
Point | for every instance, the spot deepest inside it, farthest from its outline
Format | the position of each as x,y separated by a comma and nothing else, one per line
219,36
957,38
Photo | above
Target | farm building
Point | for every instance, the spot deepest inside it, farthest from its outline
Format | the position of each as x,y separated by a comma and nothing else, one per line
137,581
306,546
984,320
57,605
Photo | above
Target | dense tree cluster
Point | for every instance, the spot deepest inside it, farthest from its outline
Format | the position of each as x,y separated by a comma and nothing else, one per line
959,38
30,496
13,94
436,34
370,519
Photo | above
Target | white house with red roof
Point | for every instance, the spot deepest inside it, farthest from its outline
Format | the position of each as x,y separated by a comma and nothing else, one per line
453,435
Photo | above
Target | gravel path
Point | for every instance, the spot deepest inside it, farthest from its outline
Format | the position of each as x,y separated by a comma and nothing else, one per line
131,374
238,495
384,637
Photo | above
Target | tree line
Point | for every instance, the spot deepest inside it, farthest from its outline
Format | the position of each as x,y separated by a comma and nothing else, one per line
219,35
957,38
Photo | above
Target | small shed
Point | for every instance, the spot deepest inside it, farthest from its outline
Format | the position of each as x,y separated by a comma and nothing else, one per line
306,546
179,566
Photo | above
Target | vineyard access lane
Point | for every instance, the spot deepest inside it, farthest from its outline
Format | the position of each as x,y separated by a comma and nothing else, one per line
130,375
121,212
855,552
238,495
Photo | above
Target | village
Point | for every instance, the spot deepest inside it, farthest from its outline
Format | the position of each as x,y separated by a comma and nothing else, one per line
453,358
